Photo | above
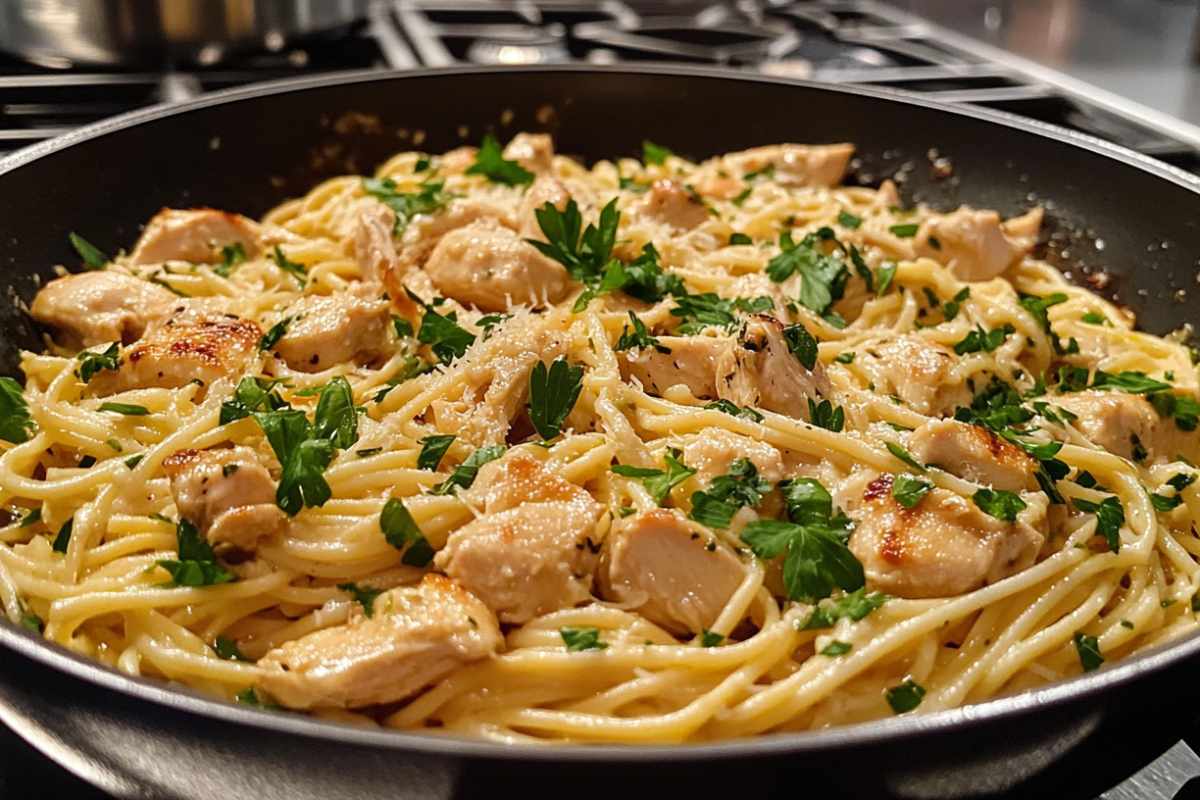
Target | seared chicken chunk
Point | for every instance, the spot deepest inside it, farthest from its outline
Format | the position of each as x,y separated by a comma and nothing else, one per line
762,372
175,355
713,451
943,546
671,204
1119,423
545,189
970,243
533,151
795,164
667,570
227,494
374,246
415,636
196,235
332,329
93,308
494,269
975,454
534,549
687,360
916,369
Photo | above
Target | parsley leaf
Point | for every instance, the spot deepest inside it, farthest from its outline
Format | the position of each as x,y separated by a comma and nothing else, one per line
232,255
1181,480
552,394
855,606
727,493
251,394
846,358
905,231
710,639
836,648
584,257
401,532
732,410
15,421
364,596
197,566
887,272
902,454
128,409
824,277
640,337
1185,410
1036,307
999,503
227,650
91,362
1088,648
464,474
1128,382
63,539
304,459
848,220
336,418
406,205
92,257
906,696
275,333
908,490
658,483
802,344
702,310
987,341
491,163
1110,516
653,154
825,415
432,450
443,334
1163,503
249,697
740,238
297,271
578,638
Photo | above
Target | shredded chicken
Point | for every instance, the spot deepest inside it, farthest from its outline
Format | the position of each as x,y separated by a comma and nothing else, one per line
227,494
93,308
326,330
943,546
196,236
670,571
414,636
495,269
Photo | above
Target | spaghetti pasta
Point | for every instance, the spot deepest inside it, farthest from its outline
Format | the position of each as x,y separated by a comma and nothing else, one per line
500,445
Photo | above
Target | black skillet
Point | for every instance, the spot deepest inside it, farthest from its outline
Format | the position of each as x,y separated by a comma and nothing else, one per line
1114,214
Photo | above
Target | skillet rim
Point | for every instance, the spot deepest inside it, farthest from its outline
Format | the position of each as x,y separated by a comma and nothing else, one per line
175,698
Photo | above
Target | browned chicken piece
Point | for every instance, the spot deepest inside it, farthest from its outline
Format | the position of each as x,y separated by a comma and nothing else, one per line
457,161
713,451
332,329
916,369
943,546
196,235
533,151
495,269
193,311
669,571
887,197
93,308
970,243
175,355
374,247
1023,230
690,360
227,494
715,182
1112,420
546,189
762,372
495,382
519,479
974,454
671,204
795,164
415,636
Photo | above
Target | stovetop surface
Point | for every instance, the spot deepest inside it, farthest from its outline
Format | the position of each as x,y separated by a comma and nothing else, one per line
854,42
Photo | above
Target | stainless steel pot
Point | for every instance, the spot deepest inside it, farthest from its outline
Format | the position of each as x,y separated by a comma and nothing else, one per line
63,33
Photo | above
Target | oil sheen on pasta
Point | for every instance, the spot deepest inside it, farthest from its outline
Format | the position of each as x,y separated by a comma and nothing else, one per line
500,445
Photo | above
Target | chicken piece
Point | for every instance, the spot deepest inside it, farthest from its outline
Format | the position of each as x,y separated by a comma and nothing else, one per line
374,246
533,151
713,451
495,380
711,180
525,561
688,360
333,329
175,355
93,308
1112,420
458,160
757,284
494,269
545,189
943,546
670,204
974,454
916,369
194,310
519,479
761,371
415,636
970,243
795,164
669,571
227,494
888,196
196,235
1023,230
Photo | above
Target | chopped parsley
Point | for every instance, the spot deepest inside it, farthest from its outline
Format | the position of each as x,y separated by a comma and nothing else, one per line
464,474
845,358
1088,648
297,271
552,394
197,566
251,394
578,639
741,487
63,539
906,696
401,532
887,272
249,697
855,606
904,231
826,415
908,490
406,205
364,596
951,307
802,344
128,409
1110,517
227,650
699,311
848,220
1037,306
740,238
710,639
824,277
981,340
999,503
1094,318
643,278
836,648
1181,480
653,154
1185,410
730,408
91,362
92,256
232,255
445,337
586,255
30,518
15,420
275,333
658,482
491,163
1163,503
432,450
639,338
902,454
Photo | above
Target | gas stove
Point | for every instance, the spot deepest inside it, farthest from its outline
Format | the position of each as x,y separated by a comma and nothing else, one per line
852,42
